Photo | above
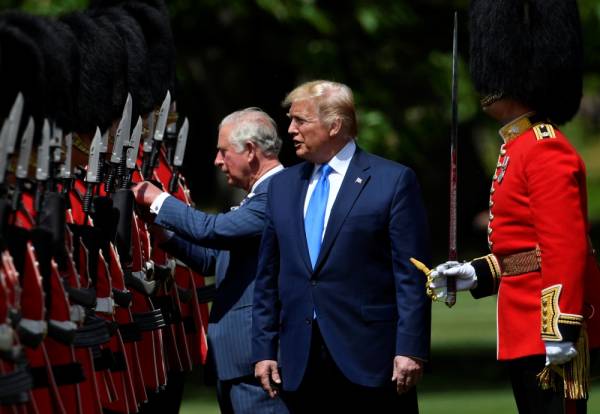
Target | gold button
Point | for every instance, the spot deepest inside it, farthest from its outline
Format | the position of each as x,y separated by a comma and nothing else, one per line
491,203
489,230
491,216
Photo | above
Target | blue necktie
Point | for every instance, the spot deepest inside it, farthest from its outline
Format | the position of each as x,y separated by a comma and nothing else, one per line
314,221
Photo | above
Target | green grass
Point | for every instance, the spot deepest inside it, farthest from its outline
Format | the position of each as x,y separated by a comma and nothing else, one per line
465,377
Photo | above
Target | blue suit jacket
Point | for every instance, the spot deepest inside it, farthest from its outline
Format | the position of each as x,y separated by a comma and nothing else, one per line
370,301
225,245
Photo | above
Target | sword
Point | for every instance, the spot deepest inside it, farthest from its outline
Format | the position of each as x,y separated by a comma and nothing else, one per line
179,154
452,252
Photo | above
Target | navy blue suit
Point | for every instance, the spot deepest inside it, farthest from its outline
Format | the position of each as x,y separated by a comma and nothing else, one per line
369,300
225,245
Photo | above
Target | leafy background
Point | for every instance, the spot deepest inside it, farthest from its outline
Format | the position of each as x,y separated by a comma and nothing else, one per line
396,55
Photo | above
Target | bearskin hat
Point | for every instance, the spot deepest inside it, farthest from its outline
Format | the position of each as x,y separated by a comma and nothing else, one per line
136,59
102,71
530,51
21,70
58,50
153,18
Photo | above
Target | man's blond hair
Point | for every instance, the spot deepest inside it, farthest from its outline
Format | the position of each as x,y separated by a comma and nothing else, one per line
334,101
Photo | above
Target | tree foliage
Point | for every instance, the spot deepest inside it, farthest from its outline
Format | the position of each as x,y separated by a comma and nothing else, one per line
395,54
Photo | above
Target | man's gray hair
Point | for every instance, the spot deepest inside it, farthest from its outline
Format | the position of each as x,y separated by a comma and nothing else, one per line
253,124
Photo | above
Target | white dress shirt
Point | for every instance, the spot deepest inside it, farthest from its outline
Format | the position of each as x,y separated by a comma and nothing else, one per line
339,165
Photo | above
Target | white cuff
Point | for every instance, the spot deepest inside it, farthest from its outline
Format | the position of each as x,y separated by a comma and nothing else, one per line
158,202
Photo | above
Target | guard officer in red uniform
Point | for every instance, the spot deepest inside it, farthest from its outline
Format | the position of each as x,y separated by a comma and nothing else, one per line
526,62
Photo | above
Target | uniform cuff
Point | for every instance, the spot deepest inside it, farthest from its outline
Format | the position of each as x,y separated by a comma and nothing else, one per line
488,274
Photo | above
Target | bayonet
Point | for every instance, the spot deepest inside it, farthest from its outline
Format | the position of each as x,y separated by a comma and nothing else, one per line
3,150
171,134
42,170
92,177
163,116
452,251
43,154
179,154
132,153
56,144
157,137
15,120
23,162
25,150
121,137
149,133
66,172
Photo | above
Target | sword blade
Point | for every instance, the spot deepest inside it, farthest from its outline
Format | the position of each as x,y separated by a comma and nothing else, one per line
452,250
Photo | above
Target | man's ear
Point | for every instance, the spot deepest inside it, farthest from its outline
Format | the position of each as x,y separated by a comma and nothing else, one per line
335,127
251,148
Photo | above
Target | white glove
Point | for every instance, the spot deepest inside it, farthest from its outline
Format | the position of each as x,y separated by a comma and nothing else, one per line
464,273
558,353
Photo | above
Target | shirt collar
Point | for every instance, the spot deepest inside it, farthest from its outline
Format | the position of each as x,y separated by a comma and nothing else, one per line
263,177
340,161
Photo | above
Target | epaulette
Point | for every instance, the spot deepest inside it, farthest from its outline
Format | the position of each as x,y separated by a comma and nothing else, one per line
544,131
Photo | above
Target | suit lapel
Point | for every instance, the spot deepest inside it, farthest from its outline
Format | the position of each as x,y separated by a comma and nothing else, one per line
355,180
298,215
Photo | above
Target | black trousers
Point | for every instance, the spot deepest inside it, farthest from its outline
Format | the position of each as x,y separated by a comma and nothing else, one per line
530,398
324,389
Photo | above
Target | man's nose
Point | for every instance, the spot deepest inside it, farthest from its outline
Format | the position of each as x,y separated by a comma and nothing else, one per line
292,128
218,159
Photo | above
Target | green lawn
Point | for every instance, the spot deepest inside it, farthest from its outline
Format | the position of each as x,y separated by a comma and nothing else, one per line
464,377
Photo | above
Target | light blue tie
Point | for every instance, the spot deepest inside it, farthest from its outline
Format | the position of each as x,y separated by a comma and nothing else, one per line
314,221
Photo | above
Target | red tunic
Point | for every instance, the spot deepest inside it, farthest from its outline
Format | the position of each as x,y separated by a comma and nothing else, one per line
538,200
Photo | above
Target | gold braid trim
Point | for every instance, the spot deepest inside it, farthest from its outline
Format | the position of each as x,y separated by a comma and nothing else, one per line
575,374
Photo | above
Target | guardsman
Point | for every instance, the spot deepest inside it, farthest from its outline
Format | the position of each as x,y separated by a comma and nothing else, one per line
526,62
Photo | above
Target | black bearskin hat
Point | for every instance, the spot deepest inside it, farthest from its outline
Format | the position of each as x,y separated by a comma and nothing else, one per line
21,70
530,51
58,49
102,73
153,19
136,59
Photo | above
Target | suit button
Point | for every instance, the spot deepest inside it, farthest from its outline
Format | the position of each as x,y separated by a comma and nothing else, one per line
308,321
313,282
